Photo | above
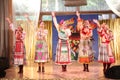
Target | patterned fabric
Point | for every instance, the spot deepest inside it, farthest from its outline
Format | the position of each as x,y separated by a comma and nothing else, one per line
104,52
62,34
85,51
19,53
63,55
19,50
41,54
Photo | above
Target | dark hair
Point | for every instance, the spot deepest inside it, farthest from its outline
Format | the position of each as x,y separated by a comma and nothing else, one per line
40,21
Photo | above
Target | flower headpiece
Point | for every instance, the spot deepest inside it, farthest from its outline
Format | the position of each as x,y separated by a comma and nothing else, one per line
61,22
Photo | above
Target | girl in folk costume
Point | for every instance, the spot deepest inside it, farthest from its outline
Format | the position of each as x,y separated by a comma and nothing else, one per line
41,48
41,53
85,42
19,50
105,52
63,55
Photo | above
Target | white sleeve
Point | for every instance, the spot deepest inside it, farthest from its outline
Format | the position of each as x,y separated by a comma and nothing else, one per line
68,32
12,27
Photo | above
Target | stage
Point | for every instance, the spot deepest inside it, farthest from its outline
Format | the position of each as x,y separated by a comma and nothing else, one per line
53,71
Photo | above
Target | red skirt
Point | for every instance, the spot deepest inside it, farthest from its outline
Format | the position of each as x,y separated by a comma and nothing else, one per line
19,53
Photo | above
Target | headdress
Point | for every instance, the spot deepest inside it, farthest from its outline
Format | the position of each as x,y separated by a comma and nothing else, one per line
61,22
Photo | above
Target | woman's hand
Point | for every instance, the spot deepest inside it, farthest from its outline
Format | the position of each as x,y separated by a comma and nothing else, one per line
8,20
77,13
53,14
96,21
26,16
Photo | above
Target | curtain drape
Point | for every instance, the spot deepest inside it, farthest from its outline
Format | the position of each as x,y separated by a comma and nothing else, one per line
29,38
114,25
5,38
32,9
48,26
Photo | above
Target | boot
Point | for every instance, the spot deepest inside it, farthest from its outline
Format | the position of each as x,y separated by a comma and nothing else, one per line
19,69
104,68
65,67
39,69
84,67
62,68
87,69
108,66
43,69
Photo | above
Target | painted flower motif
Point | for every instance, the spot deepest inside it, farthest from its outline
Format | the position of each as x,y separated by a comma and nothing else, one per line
36,58
40,53
40,45
43,58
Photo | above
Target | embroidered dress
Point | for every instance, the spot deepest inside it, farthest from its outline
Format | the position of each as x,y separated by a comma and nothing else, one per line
84,51
19,50
85,48
105,51
41,52
63,55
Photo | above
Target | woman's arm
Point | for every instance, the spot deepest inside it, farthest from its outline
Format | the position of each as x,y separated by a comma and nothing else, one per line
90,34
55,21
10,24
79,21
27,17
29,20
78,15
97,22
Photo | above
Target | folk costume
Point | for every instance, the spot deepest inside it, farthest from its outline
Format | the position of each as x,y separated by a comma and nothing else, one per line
41,52
63,55
19,48
85,45
105,52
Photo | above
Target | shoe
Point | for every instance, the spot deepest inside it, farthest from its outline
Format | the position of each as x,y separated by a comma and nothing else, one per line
39,69
43,69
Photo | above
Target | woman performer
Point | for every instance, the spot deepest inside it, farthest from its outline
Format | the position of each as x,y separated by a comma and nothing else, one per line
63,55
19,49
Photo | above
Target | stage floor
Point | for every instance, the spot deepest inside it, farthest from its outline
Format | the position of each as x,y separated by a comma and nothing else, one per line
53,71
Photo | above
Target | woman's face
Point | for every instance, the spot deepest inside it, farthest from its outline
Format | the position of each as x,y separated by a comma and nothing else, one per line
86,23
103,25
64,25
20,28
42,25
